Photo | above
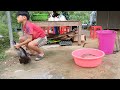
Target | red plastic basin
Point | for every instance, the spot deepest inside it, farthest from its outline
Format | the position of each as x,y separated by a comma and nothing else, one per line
88,57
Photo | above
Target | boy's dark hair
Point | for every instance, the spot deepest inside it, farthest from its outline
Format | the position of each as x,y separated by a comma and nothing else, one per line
24,13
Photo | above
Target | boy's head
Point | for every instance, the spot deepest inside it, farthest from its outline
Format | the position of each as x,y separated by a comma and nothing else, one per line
22,16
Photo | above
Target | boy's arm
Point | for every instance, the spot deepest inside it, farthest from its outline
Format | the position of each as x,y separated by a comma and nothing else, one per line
29,38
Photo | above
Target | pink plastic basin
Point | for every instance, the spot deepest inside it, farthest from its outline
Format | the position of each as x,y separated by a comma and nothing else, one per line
88,57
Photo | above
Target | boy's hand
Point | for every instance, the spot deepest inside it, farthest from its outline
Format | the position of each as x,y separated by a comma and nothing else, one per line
17,45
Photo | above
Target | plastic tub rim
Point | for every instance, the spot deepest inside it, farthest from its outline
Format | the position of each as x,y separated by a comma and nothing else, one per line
99,32
89,58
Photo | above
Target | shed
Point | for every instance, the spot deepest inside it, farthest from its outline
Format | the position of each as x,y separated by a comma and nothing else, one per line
108,19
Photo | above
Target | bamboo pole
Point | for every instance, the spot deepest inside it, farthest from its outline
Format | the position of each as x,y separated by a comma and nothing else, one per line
10,28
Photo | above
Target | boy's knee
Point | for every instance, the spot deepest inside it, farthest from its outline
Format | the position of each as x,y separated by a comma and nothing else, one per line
30,44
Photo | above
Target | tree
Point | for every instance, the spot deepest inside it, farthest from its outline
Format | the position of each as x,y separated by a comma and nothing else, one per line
83,16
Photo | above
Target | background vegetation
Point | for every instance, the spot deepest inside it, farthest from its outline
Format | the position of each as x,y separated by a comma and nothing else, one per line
83,16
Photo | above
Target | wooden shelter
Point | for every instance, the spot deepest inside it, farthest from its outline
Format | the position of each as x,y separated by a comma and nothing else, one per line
108,19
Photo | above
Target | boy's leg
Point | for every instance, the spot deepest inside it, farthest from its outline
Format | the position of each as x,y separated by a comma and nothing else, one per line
35,44
22,39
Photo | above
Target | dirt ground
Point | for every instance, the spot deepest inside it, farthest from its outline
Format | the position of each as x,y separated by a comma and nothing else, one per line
59,64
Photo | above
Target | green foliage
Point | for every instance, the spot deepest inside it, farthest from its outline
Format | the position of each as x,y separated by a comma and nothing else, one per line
2,56
5,42
83,16
5,33
14,20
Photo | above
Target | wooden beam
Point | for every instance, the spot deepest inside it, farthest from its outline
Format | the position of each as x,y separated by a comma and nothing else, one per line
62,23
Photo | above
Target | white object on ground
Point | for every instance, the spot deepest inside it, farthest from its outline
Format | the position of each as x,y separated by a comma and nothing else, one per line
18,71
50,46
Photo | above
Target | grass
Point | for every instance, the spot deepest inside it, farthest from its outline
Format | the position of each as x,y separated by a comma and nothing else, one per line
4,43
2,55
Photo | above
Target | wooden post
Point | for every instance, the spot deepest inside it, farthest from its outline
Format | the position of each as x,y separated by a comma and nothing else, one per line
10,28
108,21
79,33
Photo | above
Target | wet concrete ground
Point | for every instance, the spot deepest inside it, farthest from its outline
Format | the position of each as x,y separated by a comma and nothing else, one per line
55,66
59,64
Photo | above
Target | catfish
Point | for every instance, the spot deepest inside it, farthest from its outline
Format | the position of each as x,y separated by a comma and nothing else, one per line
24,58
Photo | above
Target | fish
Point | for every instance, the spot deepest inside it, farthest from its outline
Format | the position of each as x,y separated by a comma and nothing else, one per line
24,58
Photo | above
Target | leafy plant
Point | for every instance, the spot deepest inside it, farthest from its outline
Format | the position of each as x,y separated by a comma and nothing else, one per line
82,16
5,42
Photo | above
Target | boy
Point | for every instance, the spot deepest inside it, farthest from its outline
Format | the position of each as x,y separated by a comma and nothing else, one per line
34,36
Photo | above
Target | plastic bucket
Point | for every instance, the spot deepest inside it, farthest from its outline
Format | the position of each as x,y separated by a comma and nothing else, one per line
39,17
106,40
